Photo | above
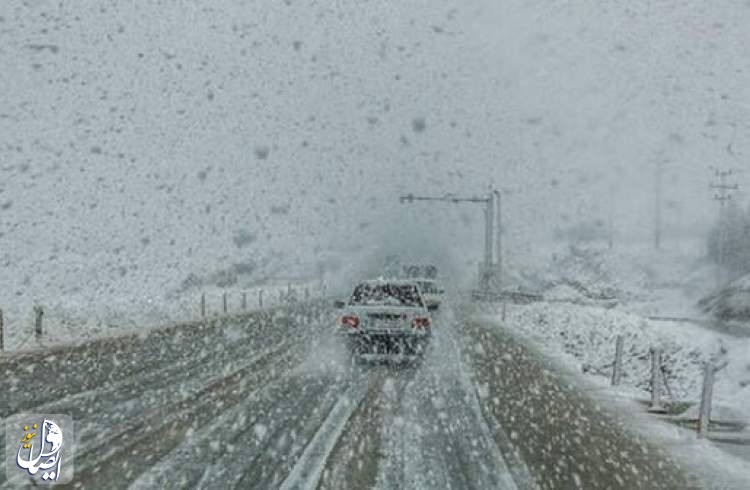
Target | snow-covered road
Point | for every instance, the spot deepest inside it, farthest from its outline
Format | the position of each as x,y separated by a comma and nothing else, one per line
271,400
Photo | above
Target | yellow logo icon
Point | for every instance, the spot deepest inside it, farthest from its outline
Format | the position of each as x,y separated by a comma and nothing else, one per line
41,449
46,457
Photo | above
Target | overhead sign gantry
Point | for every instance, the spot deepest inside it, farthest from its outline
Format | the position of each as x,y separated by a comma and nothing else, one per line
490,271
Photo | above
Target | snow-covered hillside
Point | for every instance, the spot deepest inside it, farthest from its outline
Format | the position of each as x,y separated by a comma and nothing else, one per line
731,302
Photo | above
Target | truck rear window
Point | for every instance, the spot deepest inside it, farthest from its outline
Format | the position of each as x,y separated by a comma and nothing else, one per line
386,295
428,288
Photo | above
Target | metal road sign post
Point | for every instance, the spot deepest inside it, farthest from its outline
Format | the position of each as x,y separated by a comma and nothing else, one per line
491,268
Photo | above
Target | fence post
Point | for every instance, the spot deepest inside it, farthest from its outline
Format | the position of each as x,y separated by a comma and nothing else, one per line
665,380
503,314
617,366
244,300
656,406
203,305
2,332
307,293
38,312
704,418
224,301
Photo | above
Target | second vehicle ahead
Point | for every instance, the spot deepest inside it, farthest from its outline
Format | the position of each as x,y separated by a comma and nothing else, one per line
386,317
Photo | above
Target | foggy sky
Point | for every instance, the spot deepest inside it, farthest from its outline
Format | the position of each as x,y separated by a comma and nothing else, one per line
147,135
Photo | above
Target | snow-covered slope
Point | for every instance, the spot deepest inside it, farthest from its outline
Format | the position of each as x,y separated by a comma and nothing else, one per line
731,302
586,336
664,282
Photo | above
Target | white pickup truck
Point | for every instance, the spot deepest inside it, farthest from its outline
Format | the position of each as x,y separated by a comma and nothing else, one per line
385,317
426,277
432,293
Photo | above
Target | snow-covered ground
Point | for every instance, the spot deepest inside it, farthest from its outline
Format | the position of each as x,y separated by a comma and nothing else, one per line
578,329
72,321
581,342
639,285
584,337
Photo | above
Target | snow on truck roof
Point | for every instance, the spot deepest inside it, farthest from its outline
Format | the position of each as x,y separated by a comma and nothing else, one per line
398,282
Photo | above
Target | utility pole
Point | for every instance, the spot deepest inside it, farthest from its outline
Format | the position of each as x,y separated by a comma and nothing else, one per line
610,218
722,195
499,238
657,204
489,231
488,273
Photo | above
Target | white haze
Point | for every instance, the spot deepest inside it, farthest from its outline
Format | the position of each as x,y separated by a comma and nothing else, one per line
144,141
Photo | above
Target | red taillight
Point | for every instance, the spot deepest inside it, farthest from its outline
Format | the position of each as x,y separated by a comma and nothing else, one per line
420,322
349,321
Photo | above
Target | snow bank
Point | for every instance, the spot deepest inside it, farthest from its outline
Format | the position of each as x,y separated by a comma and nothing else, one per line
584,337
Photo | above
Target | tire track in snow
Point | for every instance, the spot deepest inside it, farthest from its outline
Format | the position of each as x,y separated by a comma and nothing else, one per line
434,434
143,440
249,445
515,474
355,459
307,471
565,438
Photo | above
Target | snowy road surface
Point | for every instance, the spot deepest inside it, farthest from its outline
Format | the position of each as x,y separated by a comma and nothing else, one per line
272,401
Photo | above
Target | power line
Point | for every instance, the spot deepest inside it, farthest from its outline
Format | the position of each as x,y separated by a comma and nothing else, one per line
723,189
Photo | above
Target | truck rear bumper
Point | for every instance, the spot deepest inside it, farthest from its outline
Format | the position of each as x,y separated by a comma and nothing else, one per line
404,343
386,334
